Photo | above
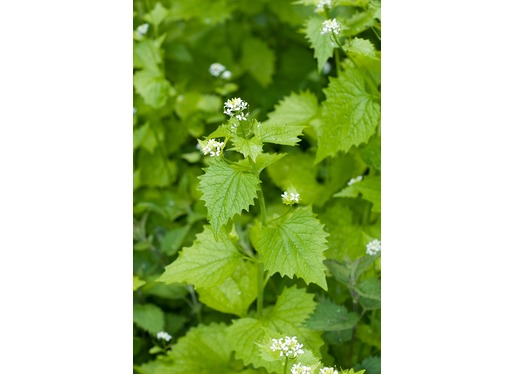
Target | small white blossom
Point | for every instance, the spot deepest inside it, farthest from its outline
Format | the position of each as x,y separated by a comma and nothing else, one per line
373,247
211,147
236,107
142,29
300,369
331,26
216,69
226,75
134,110
326,69
321,4
290,197
359,178
328,370
164,336
288,347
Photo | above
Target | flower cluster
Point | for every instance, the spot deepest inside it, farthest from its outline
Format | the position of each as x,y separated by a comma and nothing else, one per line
236,107
321,4
359,178
328,370
288,347
164,336
331,26
142,29
219,70
290,197
373,247
211,147
300,369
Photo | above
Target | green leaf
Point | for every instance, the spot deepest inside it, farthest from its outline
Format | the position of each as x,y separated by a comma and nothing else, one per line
236,293
371,365
332,317
149,317
147,55
226,192
153,87
293,245
369,291
207,263
259,60
291,310
144,137
295,109
346,239
173,240
154,171
362,47
156,15
359,22
320,43
371,153
350,115
279,133
204,349
252,147
266,159
210,12
137,282
369,188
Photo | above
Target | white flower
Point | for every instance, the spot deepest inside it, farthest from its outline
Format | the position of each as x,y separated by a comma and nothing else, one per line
226,75
359,178
290,347
216,69
321,4
142,29
211,147
331,26
290,197
328,370
235,107
326,68
300,369
164,335
373,247
134,110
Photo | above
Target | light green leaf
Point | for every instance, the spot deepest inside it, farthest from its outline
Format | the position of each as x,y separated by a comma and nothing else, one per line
153,87
236,293
144,137
362,47
156,15
359,22
173,239
350,115
259,60
147,55
320,43
295,109
346,238
371,153
369,188
137,282
154,171
207,263
149,317
369,291
331,317
204,349
279,133
226,192
209,12
266,159
293,245
252,147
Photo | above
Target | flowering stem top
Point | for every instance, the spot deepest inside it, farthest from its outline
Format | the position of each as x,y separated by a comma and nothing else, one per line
236,107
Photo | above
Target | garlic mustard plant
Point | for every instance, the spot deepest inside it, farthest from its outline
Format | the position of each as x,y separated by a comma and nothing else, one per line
211,147
142,30
289,347
331,26
300,369
163,335
322,5
328,370
236,107
290,197
374,247
359,178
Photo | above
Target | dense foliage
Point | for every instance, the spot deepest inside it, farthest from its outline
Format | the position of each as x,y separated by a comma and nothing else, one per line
257,186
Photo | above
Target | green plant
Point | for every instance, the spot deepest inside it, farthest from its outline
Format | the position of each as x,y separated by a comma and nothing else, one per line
268,227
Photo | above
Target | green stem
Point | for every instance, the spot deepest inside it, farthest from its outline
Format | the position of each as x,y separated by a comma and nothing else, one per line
261,289
286,365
